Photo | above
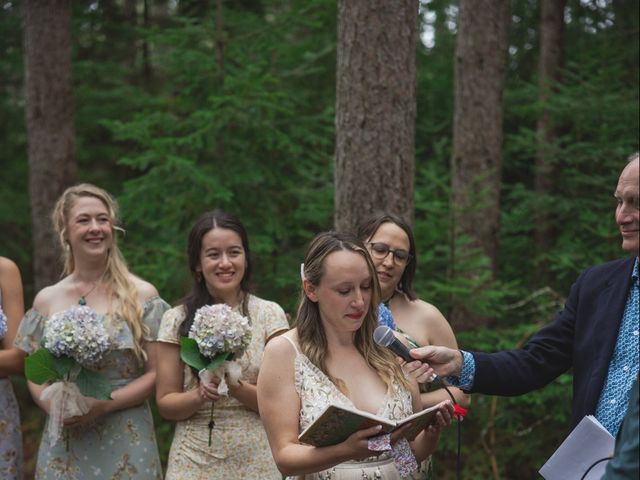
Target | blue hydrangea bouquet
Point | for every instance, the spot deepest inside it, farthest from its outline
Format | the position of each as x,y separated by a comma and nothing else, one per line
74,343
218,336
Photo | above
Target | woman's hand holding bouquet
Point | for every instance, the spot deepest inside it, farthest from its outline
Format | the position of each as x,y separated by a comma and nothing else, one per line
73,345
218,336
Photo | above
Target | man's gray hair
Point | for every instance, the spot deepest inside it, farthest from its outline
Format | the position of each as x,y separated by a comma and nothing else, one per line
633,156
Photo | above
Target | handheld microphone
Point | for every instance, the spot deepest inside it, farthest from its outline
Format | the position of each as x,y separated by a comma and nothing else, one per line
384,337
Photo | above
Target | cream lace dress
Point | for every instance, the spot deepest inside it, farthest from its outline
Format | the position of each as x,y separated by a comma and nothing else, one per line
316,391
239,447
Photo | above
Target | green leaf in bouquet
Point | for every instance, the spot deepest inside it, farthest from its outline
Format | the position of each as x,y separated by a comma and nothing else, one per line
63,365
94,384
190,354
40,367
217,360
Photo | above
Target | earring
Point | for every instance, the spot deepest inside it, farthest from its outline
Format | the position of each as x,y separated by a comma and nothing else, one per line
199,277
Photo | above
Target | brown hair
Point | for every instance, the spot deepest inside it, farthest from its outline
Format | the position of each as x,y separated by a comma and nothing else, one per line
370,226
199,294
313,341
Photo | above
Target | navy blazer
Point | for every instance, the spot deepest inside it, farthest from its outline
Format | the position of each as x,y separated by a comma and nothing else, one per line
582,335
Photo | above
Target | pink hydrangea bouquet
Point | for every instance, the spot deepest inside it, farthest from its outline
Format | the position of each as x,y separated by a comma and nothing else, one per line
74,343
217,337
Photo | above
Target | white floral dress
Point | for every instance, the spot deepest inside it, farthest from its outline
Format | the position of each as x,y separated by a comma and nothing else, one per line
317,391
120,445
239,446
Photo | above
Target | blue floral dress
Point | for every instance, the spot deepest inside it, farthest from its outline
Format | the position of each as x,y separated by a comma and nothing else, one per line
117,446
10,435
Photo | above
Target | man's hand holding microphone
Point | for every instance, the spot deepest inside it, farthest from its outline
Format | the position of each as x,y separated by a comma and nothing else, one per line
443,360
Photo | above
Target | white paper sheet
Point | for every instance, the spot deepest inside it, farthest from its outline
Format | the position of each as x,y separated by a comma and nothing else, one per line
587,443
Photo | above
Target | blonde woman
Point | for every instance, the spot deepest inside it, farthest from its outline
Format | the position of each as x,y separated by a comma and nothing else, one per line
11,361
330,357
115,439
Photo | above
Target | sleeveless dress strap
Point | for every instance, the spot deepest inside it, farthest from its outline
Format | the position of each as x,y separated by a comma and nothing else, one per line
292,344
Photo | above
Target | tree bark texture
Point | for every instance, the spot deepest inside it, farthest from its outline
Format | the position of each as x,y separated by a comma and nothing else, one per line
549,73
50,124
375,109
476,162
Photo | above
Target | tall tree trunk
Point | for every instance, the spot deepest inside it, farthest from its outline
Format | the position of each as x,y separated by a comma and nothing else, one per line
375,109
551,59
130,14
50,124
146,57
476,162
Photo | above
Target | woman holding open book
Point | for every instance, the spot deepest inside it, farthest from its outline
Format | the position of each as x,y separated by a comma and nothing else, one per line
331,358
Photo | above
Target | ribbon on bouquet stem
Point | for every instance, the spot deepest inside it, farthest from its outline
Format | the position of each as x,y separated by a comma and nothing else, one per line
65,401
233,371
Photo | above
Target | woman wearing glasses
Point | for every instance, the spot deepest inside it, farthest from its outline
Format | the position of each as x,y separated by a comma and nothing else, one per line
390,242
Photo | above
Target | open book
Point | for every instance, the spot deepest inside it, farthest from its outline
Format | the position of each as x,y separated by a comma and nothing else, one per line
336,423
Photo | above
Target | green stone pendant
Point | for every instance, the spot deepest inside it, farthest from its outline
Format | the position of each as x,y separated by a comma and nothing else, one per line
82,301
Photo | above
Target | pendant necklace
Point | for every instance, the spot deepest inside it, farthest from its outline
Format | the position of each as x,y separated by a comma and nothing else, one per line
388,300
83,300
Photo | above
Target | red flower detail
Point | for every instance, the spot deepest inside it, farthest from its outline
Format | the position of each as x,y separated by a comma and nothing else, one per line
459,412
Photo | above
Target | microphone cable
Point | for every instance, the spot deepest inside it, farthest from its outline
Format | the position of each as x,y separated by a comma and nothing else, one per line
600,460
383,336
459,413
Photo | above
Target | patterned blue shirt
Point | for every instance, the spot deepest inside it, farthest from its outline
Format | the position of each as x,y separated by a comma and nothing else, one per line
467,374
385,318
623,368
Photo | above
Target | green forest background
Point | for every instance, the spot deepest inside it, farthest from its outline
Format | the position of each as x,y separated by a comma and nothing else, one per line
152,105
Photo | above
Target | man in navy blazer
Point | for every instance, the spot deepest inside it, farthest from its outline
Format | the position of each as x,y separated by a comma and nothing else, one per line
596,333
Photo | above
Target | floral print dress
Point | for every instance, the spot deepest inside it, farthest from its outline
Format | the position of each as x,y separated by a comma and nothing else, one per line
10,435
317,391
239,447
117,446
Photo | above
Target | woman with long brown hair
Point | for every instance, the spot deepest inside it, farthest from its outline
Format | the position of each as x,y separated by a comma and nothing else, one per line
220,264
330,357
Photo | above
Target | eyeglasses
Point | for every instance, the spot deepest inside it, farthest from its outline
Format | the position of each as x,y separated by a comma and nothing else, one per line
380,251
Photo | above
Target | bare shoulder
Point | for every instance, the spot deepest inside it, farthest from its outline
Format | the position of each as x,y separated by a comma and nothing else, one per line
8,267
145,289
438,330
46,297
279,348
9,273
428,313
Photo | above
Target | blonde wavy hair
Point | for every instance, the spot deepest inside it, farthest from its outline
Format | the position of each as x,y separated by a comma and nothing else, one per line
116,276
311,334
